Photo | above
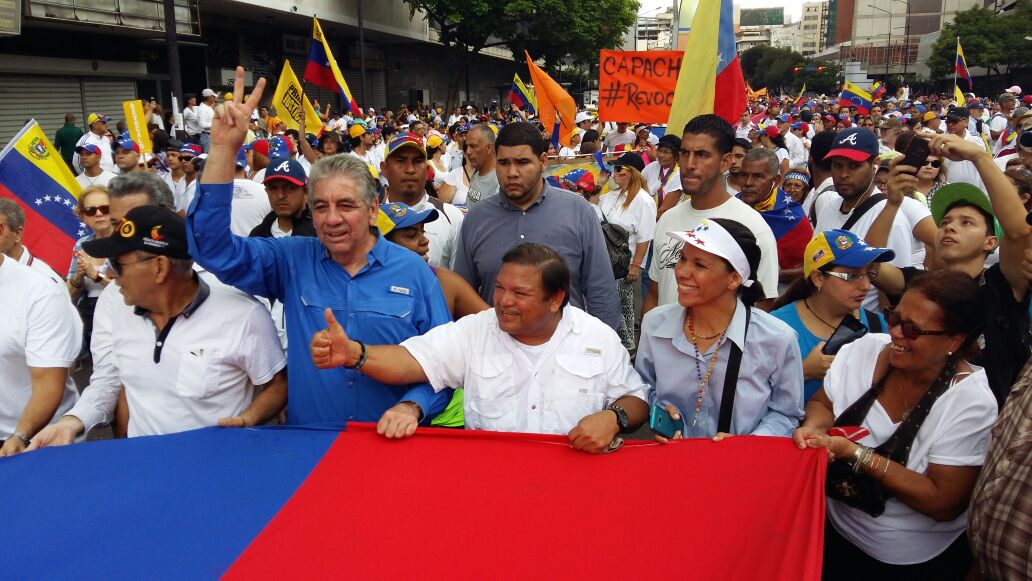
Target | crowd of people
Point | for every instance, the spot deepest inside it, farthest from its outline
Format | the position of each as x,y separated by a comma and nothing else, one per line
413,268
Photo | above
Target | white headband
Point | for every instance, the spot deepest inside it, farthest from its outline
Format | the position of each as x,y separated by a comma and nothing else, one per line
713,238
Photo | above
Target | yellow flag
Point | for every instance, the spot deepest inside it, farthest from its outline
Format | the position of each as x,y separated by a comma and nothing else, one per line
135,120
695,93
958,96
288,100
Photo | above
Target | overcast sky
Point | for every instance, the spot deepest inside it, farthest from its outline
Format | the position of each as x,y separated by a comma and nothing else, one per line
793,8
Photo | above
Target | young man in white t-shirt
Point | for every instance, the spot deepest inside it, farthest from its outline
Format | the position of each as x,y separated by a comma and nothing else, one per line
250,202
998,124
39,340
705,155
92,174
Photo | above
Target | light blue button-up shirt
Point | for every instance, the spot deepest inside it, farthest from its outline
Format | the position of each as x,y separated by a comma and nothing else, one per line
769,396
393,297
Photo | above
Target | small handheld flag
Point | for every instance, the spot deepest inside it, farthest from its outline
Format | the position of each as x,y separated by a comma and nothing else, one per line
521,96
553,100
961,68
854,96
322,70
877,90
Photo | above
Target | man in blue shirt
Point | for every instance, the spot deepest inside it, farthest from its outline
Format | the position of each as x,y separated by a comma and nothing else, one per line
381,292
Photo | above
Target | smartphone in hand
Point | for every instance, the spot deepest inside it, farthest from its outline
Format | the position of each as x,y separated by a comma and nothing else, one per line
849,330
662,423
916,152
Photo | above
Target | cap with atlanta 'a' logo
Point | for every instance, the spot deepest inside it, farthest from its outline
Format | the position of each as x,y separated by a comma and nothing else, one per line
152,229
285,168
855,143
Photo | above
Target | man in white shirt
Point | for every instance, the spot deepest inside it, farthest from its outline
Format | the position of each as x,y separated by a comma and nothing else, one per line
250,202
190,355
744,126
92,174
362,144
12,230
184,195
795,140
706,150
856,201
191,126
405,172
662,177
39,340
97,135
533,363
976,124
205,113
621,136
998,124
962,171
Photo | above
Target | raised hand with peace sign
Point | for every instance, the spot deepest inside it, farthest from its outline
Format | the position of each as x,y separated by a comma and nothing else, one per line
228,131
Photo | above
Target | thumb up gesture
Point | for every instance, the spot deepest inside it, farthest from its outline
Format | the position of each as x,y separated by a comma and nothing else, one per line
331,346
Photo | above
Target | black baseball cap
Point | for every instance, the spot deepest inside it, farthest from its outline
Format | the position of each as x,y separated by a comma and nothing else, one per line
671,142
631,159
152,229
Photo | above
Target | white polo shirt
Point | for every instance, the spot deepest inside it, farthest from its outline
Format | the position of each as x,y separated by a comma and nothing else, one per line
209,359
250,206
39,329
512,387
41,268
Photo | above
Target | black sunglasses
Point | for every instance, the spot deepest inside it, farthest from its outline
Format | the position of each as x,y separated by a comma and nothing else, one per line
118,267
92,211
910,330
935,163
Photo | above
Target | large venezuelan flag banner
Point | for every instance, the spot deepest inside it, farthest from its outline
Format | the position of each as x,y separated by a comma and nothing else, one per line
33,174
714,83
315,502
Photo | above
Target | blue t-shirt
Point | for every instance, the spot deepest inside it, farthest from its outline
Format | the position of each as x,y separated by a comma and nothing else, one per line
807,340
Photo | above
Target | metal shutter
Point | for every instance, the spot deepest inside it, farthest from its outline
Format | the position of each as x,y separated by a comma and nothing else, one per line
377,87
107,96
46,99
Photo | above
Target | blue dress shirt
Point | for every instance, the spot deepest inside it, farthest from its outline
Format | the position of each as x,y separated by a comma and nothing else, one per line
769,396
393,297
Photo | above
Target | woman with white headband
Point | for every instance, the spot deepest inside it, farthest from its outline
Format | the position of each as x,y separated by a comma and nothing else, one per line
714,362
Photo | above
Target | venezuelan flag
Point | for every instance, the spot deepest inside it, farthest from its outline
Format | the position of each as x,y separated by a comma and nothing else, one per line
322,70
552,100
877,90
717,84
854,96
33,174
521,96
961,67
325,501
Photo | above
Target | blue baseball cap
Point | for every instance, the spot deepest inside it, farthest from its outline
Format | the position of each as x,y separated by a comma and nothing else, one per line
241,159
191,149
403,216
855,143
278,147
841,248
128,145
785,118
88,148
285,168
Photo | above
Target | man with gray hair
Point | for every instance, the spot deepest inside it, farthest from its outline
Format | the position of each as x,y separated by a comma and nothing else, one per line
12,230
761,190
380,292
480,151
127,191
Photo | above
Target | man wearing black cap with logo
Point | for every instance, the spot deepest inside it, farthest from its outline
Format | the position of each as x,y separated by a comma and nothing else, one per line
190,355
662,176
856,201
285,182
957,119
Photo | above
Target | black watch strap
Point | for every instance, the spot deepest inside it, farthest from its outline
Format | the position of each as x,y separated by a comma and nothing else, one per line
622,419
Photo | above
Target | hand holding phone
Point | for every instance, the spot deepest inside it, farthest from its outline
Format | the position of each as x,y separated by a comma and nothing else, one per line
662,423
849,330
916,152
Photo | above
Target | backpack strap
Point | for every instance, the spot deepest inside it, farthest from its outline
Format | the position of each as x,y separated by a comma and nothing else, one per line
734,363
440,207
859,211
873,322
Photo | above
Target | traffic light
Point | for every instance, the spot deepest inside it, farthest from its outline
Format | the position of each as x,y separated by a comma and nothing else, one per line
795,69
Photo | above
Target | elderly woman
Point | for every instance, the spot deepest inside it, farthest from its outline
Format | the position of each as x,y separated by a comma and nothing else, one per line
898,494
86,275
797,184
712,346
838,268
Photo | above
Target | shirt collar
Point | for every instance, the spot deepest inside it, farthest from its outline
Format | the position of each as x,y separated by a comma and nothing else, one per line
203,292
503,200
674,325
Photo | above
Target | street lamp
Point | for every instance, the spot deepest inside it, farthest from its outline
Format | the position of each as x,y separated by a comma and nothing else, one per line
887,58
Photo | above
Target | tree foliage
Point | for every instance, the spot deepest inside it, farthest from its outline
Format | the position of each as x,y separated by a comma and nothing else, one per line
994,41
776,69
548,29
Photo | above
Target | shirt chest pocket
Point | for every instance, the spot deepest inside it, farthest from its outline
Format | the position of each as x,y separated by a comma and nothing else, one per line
578,390
199,373
389,310
491,395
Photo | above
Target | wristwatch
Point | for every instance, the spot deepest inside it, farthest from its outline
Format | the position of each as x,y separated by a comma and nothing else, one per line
622,419
24,439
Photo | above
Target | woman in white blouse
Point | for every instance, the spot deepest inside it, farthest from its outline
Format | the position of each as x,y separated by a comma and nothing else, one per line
633,209
898,496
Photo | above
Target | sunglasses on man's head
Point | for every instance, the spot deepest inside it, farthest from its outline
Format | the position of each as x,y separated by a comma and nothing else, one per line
909,330
92,211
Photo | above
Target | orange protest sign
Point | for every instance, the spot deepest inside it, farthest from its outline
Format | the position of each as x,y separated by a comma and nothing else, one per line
637,85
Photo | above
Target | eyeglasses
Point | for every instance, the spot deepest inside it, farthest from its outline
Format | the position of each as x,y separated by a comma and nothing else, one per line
910,330
92,211
852,277
935,163
118,267
619,169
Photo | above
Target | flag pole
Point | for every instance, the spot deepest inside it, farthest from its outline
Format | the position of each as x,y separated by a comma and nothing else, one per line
955,57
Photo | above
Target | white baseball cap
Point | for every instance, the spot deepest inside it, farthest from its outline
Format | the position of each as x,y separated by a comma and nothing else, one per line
208,93
582,117
1016,90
